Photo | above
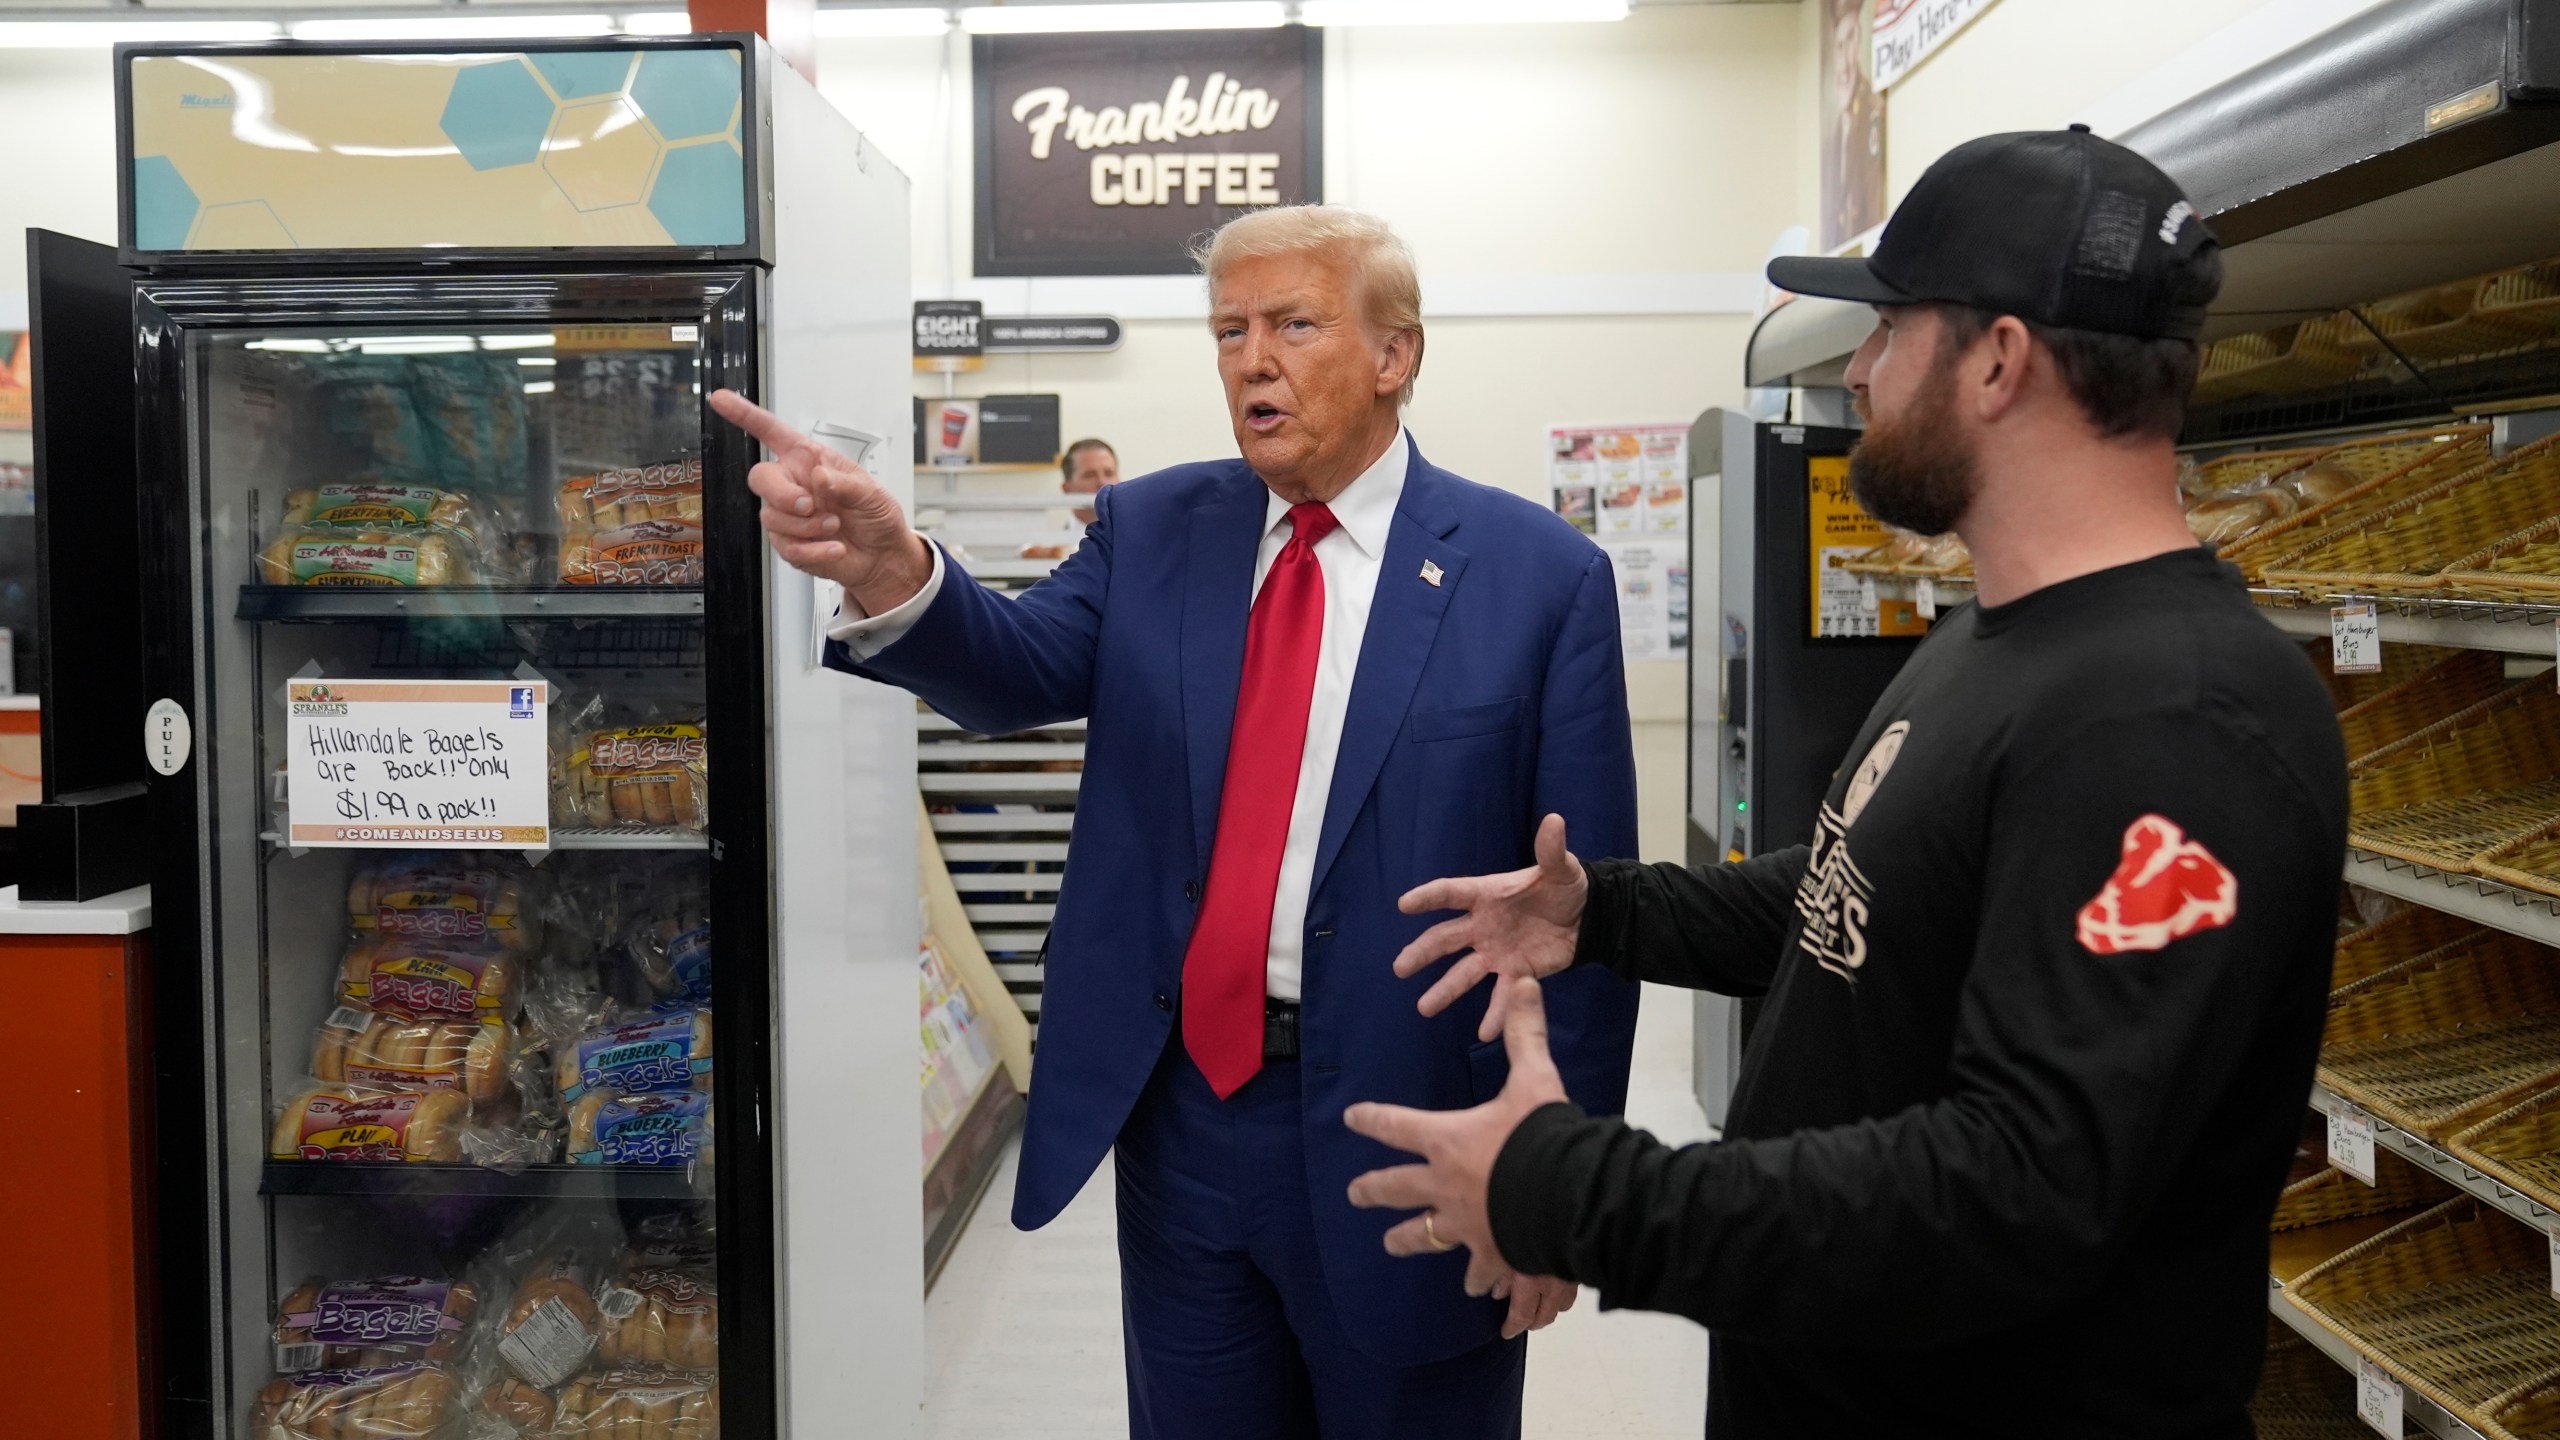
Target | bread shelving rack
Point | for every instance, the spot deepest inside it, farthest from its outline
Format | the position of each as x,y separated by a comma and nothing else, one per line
2415,1408
2464,624
2482,902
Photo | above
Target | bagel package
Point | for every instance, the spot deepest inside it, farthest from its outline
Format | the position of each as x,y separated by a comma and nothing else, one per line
671,1051
636,775
369,1403
449,900
640,526
663,1128
550,1326
368,1324
641,1402
665,1315
302,555
394,1052
356,505
344,1122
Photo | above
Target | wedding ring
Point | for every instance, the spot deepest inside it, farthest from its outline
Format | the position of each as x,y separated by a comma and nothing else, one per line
1433,1235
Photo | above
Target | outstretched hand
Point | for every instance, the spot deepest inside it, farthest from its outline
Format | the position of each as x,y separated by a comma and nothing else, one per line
1516,926
825,514
1458,1150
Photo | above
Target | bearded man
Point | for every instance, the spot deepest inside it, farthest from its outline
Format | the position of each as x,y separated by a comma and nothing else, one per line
2046,985
1316,674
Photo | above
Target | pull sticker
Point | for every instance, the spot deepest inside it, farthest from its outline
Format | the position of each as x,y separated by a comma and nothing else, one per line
167,738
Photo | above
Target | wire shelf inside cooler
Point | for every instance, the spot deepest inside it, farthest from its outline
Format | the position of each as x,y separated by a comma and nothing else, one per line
431,1179
619,837
591,645
495,602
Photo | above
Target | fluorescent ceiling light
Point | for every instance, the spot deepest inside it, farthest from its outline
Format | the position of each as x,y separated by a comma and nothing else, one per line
539,387
518,342
414,344
658,22
463,27
1457,12
1038,19
74,34
896,20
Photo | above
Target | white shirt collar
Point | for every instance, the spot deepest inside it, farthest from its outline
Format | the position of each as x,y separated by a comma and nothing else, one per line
1367,507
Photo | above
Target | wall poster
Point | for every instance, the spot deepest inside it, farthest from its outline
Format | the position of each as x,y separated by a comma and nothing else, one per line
1107,154
1852,127
1627,486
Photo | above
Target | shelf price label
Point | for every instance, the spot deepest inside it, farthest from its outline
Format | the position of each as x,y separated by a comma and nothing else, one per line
411,764
2554,1240
2351,1144
2355,639
2379,1397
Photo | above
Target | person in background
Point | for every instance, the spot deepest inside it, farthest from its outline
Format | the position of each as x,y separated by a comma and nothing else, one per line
1089,465
1313,676
2045,991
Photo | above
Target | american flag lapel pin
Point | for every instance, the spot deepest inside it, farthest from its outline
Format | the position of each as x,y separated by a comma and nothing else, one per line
1431,574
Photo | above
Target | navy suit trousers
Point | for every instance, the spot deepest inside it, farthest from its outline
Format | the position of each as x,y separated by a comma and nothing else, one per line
1228,1320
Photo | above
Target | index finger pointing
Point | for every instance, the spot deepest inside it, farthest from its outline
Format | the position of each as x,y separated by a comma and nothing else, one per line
1406,1130
756,420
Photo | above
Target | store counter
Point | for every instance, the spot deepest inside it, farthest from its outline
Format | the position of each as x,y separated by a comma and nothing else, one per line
75,1119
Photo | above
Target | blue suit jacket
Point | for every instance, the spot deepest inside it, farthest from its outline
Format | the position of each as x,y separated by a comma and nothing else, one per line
1480,704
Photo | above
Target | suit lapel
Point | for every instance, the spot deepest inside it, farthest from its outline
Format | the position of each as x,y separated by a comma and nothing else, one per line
1404,619
1217,600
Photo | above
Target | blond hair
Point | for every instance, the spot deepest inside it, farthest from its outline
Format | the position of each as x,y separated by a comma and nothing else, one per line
1380,262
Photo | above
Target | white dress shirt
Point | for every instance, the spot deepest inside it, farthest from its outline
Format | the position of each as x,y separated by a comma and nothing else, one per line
1350,558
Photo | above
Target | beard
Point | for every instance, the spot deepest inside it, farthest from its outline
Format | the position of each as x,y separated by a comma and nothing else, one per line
1914,471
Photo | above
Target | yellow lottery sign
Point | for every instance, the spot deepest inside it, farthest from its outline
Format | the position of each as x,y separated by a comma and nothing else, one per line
1845,605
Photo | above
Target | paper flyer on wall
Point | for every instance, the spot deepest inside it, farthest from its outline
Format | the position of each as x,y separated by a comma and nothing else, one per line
1627,486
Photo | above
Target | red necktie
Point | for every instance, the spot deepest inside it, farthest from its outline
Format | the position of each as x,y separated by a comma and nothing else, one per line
1222,971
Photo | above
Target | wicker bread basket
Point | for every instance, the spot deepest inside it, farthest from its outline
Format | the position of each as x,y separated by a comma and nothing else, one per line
2464,786
2527,298
2403,548
2456,1300
2456,1035
2303,1394
2400,664
2458,680
2528,862
2287,357
2522,569
2385,944
2530,1411
2519,1147
2392,468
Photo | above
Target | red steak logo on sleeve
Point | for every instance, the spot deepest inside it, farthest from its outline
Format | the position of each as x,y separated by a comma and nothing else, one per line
2167,887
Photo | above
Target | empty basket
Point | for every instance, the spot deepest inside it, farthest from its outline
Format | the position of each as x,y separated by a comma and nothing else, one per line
2456,1300
2403,548
2456,1035
2464,786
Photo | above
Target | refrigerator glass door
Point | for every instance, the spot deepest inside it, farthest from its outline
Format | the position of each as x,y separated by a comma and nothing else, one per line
455,734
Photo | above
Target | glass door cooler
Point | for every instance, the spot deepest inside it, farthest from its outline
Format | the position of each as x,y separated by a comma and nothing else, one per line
473,683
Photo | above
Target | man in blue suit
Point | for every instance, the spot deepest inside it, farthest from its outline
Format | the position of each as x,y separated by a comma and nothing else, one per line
1313,677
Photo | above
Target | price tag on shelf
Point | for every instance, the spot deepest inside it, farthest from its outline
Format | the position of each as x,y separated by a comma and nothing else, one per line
2555,1265
2355,639
2351,1144
2379,1397
1925,598
405,764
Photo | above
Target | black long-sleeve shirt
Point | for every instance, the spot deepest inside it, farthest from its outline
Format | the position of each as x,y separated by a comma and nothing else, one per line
2044,996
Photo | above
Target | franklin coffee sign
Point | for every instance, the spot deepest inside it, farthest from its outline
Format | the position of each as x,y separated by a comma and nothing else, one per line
1109,154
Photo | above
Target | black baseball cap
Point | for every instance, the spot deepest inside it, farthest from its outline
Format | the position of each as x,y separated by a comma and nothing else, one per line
2055,226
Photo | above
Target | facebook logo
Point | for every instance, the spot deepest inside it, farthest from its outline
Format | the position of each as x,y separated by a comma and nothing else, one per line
520,702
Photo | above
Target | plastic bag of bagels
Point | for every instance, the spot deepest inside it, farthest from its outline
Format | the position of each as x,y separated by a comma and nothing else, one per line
378,1402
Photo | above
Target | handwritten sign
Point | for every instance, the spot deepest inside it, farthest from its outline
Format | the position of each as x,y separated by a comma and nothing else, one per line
405,764
2355,640
2351,1144
2379,1398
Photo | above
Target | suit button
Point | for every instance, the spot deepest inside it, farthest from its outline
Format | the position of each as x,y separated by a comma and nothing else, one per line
1163,1001
1324,934
1191,891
